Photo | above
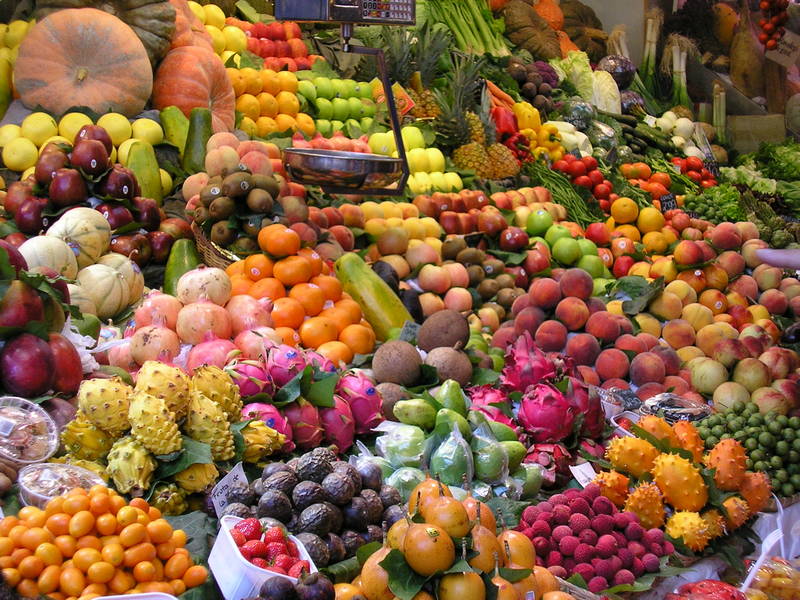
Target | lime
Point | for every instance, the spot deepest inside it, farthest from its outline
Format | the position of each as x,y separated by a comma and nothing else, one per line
782,448
795,480
781,475
755,421
751,444
774,427
147,130
20,154
796,444
738,406
766,439
783,420
9,132
760,465
703,432
776,462
726,436
117,126
38,126
71,123
787,489
794,456
711,441
718,430
794,422
749,464
758,454
794,469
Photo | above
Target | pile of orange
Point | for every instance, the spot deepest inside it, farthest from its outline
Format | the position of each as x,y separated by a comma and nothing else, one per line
268,102
645,226
92,543
309,306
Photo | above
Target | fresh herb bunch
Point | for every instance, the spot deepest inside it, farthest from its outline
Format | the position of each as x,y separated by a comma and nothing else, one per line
716,204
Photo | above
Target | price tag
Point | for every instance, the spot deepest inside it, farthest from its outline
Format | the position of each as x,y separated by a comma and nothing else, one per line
409,331
219,495
787,52
713,167
583,473
6,427
668,202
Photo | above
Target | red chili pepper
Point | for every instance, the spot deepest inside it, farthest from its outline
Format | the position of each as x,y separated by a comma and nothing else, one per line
504,120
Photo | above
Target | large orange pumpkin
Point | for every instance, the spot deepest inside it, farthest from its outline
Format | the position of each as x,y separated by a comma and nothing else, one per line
551,12
83,57
189,31
191,77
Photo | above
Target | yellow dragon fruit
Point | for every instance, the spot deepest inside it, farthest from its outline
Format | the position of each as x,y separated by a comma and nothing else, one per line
197,477
218,386
715,523
690,528
729,460
260,441
756,491
153,425
83,440
206,423
689,439
130,465
632,455
659,429
163,381
738,512
90,465
105,403
647,503
613,486
169,499
680,482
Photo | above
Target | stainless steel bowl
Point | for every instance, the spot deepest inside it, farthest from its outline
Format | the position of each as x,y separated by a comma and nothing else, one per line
338,169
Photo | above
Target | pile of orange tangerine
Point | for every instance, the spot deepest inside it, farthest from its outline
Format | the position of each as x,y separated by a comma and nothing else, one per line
92,543
309,306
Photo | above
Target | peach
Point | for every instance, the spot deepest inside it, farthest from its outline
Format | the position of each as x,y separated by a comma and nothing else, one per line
595,305
687,353
754,346
529,320
728,394
787,282
619,384
583,349
758,312
777,361
490,319
729,352
223,138
747,230
555,274
716,277
222,161
697,315
306,232
749,252
707,374
551,336
672,363
648,390
682,290
767,277
573,312
696,278
714,300
631,343
576,283
726,236
588,375
680,221
724,318
545,292
746,286
458,274
666,306
625,324
710,335
648,324
641,268
421,254
771,328
794,305
740,315
687,252
458,298
399,264
771,400
611,364
736,299
257,163
646,368
678,333
354,217
789,388
251,146
524,301
603,326
708,252
752,374
774,301
193,185
503,336
675,385
691,233
648,339
758,332
430,303
791,291
732,262
664,267
344,236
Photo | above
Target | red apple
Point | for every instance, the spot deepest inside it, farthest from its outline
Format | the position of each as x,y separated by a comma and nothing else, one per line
90,156
177,228
67,188
513,239
17,193
47,165
147,213
116,214
160,243
95,132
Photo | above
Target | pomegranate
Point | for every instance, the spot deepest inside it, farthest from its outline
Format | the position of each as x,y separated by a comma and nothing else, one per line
212,351
154,343
158,309
27,366
197,319
255,343
247,313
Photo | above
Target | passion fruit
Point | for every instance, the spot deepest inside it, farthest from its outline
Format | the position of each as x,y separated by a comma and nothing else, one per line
546,582
485,543
347,591
449,514
461,586
428,549
428,490
505,590
374,579
477,510
517,548
525,585
397,533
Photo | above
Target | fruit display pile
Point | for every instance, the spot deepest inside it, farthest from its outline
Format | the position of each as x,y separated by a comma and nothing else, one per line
559,361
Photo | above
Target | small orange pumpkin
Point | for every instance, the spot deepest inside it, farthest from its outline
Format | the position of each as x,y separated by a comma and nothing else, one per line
189,31
566,44
83,56
191,77
551,12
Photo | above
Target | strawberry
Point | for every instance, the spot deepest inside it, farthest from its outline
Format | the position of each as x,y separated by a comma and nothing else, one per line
273,549
298,568
292,547
238,537
260,563
255,548
275,569
284,561
251,528
274,534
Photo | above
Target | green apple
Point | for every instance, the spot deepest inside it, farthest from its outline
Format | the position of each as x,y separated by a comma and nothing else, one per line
369,107
363,89
439,182
324,87
592,264
353,126
454,180
566,251
538,222
356,107
436,159
349,88
324,127
337,125
339,88
341,109
381,143
412,137
305,75
555,233
418,160
324,108
588,247
307,89
424,182
366,124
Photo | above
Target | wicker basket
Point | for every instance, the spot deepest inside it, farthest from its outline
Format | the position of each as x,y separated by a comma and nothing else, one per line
211,253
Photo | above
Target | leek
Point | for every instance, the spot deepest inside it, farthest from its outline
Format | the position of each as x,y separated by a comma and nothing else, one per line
718,112
678,48
618,44
469,21
655,19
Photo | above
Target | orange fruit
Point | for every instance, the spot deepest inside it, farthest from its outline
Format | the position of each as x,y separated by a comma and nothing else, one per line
47,582
269,81
650,219
305,124
28,588
125,516
248,125
66,544
133,534
113,553
176,566
314,258
178,587
310,296
629,231
235,268
269,287
72,581
195,576
316,331
11,576
288,104
287,81
81,524
89,541
293,270
265,126
99,504
337,352
85,558
237,81
258,266
278,240
34,536
19,555
240,285
49,554
269,105
31,566
285,122
144,571
160,531
75,504
359,338
624,210
287,312
121,582
139,503
288,336
33,516
655,242
253,82
138,553
248,105
6,546
58,524
351,308
331,286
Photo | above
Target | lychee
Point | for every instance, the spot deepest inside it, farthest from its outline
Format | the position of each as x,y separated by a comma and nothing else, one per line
603,524
561,514
653,536
606,546
626,556
527,531
616,563
622,541
542,546
571,493
637,567
584,570
530,513
579,505
568,545
634,531
597,584
637,549
545,506
603,506
624,577
553,558
668,548
591,491
588,536
569,565
539,529
561,532
651,563
656,549
578,522
621,520
584,553
558,571
557,499
545,516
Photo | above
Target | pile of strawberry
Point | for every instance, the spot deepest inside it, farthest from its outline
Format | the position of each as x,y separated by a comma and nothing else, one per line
268,549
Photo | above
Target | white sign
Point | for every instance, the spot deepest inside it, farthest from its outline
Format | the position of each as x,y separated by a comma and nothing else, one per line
583,473
219,495
787,51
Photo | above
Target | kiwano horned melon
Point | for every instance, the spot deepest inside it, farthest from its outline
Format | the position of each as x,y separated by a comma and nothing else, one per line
613,486
756,491
163,381
647,503
130,465
169,499
153,425
715,522
197,477
105,403
738,512
680,482
218,386
729,460
659,429
689,439
207,423
81,438
690,528
632,455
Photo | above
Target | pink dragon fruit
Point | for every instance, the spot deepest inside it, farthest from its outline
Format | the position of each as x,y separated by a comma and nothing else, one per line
526,365
306,426
587,403
317,360
214,351
364,400
592,448
483,397
273,418
546,414
249,375
338,423
283,363
554,459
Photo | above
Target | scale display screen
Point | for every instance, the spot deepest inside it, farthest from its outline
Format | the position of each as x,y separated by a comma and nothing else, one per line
376,12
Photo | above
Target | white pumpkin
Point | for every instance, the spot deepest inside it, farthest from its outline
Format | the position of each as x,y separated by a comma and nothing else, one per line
204,283
43,251
85,229
79,298
130,272
106,287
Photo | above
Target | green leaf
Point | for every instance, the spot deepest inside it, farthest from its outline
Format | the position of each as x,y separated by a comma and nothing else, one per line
514,575
509,258
344,571
134,226
481,376
7,228
511,510
579,581
248,59
638,304
429,377
321,68
247,11
292,390
460,566
238,438
193,452
320,393
200,530
367,550
403,581
6,270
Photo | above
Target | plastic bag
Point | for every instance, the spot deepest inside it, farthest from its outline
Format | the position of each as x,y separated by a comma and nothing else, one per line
401,445
452,460
405,480
482,491
528,477
490,459
365,455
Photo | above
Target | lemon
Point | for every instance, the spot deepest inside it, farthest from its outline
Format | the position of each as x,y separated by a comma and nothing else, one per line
214,16
39,126
13,55
71,123
249,126
235,39
148,130
217,39
123,149
198,11
15,33
27,173
166,182
2,183
287,81
117,126
3,29
8,133
20,154
56,139
5,53
113,156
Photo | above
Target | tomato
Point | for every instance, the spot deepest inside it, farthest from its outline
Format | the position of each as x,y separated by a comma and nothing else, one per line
583,181
590,162
643,170
694,176
768,28
613,197
576,169
605,205
601,191
707,183
657,190
694,164
763,38
560,165
764,5
662,178
627,171
596,176
570,158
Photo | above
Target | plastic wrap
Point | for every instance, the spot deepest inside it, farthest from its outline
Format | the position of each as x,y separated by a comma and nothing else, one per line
401,445
405,480
452,459
490,459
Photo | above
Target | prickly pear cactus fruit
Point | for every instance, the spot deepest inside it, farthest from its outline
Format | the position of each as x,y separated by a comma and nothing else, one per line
680,482
689,439
130,465
82,439
218,386
756,491
738,512
690,528
169,499
105,403
166,382
659,429
715,523
730,461
613,486
207,423
260,441
632,455
197,477
90,465
647,503
153,425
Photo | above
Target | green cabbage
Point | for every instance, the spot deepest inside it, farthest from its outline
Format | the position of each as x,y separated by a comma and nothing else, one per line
576,69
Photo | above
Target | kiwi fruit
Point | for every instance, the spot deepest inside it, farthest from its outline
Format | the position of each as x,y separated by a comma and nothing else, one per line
222,233
237,184
252,226
267,183
505,280
244,245
200,214
221,208
493,267
259,201
391,394
450,364
476,275
396,362
451,247
209,193
470,256
506,297
443,328
488,288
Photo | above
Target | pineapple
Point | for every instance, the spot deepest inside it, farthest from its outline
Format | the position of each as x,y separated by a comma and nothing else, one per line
431,44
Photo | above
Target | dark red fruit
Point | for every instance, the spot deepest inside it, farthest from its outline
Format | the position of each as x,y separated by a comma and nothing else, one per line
48,164
135,246
118,183
14,257
29,217
160,243
17,193
95,132
177,228
147,213
90,156
513,239
27,366
16,239
67,188
116,214
20,305
58,282
68,371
